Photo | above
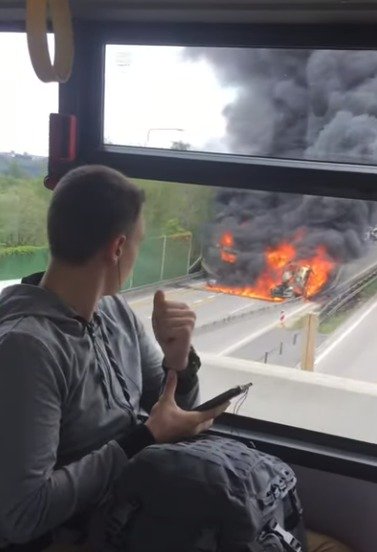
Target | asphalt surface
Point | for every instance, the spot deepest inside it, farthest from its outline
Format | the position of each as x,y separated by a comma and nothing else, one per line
254,331
352,350
250,329
225,324
209,307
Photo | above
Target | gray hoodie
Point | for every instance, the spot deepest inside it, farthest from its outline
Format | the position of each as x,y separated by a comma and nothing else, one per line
68,390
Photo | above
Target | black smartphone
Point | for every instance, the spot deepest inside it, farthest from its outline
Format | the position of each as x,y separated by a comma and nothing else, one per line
224,397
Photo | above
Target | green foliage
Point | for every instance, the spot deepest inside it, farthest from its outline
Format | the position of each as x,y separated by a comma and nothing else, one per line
173,226
189,206
22,166
23,208
20,250
171,208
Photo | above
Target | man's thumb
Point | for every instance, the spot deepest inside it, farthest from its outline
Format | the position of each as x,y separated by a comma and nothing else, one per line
159,298
170,386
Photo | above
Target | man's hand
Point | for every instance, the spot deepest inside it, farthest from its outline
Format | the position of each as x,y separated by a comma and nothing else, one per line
168,423
173,324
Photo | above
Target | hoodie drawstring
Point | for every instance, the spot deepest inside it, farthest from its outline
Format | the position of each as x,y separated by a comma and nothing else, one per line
105,375
103,378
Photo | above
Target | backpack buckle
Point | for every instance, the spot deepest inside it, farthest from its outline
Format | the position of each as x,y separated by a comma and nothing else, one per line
289,542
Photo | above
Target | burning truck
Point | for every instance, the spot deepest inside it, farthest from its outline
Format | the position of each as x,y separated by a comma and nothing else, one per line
294,282
283,275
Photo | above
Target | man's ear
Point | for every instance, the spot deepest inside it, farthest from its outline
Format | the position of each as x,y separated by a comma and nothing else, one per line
116,248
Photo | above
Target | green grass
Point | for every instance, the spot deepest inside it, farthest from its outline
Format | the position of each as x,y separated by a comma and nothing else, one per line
298,324
370,290
331,324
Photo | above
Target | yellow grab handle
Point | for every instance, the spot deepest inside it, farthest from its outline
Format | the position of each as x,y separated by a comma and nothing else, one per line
36,27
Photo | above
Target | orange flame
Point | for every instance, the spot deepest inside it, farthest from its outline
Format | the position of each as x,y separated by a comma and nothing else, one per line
322,267
226,242
306,277
280,256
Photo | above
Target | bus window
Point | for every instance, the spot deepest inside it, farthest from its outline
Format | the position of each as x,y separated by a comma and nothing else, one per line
291,104
287,295
24,114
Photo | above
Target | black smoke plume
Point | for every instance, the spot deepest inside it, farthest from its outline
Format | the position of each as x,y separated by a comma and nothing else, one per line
261,220
317,105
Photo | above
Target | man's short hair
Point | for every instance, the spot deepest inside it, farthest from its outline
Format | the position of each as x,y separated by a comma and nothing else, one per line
91,205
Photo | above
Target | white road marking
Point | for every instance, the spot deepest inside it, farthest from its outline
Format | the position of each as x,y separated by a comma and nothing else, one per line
342,336
198,301
241,309
265,329
149,298
144,299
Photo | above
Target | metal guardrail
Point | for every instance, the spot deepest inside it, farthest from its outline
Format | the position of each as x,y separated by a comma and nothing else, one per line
346,292
179,281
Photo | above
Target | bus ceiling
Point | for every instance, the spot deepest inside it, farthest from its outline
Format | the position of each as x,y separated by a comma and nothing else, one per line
230,11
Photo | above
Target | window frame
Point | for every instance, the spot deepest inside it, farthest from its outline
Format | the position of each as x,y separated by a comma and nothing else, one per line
303,447
299,446
210,169
334,454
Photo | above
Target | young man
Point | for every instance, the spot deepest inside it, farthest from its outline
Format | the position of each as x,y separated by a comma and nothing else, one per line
76,365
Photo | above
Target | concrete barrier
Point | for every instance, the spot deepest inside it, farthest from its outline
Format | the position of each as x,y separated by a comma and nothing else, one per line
317,402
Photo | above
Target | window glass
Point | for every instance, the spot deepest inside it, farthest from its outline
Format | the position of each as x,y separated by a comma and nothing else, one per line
174,215
270,262
284,288
300,104
24,114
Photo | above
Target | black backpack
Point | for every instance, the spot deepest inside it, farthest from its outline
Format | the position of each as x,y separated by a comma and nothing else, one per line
207,494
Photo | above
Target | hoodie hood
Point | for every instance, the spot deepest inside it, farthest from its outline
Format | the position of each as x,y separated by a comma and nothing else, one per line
26,300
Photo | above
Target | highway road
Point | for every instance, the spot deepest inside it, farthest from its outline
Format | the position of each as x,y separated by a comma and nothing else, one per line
208,306
244,328
255,329
352,351
225,323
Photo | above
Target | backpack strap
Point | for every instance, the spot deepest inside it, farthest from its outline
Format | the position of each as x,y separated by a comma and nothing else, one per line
293,515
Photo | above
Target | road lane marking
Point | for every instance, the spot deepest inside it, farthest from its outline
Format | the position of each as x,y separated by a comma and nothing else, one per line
149,298
342,336
241,309
169,295
258,333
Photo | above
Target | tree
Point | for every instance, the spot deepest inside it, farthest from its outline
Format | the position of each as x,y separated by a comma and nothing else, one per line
23,208
173,226
14,169
180,145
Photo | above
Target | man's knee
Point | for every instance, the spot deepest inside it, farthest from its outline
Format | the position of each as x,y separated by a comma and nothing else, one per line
322,543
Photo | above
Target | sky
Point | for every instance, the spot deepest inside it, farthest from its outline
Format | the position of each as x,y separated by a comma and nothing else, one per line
154,96
25,102
158,95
